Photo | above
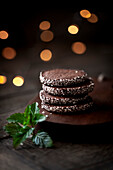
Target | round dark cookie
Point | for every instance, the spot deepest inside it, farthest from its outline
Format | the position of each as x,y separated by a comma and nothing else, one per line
59,100
62,77
82,89
68,109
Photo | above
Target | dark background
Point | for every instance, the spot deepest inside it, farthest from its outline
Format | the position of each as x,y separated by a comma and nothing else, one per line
22,21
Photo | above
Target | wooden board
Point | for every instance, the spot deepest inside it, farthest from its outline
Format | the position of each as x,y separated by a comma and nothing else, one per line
102,111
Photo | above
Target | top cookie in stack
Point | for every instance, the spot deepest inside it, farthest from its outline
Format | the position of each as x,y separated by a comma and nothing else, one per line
65,90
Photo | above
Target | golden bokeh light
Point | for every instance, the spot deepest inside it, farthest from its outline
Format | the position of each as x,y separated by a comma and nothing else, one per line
47,36
73,29
4,35
44,25
46,55
3,79
93,18
78,47
18,81
85,13
9,53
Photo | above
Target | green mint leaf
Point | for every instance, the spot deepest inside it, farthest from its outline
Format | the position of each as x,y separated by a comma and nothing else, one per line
16,117
27,115
38,118
22,135
42,139
34,108
27,110
32,115
12,128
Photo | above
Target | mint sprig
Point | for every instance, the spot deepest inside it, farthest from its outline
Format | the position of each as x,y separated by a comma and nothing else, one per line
22,126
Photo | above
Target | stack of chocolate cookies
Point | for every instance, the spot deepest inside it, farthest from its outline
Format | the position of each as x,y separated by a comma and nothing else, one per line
66,91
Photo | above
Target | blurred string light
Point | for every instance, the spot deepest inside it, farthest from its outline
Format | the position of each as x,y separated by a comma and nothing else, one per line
73,29
47,36
9,53
4,34
3,79
46,55
78,47
44,25
93,18
85,13
18,81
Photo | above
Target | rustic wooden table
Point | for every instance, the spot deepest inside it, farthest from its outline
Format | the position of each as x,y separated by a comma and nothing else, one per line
75,147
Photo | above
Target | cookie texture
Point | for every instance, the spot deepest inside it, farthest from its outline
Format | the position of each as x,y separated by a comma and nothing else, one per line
66,91
62,77
61,100
67,109
84,88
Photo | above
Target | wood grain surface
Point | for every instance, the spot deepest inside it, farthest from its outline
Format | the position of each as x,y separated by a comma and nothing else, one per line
88,147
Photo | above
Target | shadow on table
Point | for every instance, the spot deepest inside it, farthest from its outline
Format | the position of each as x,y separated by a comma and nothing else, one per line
100,133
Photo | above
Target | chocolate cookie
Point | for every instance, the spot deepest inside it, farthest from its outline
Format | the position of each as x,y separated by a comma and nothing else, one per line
62,77
79,89
59,100
68,109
